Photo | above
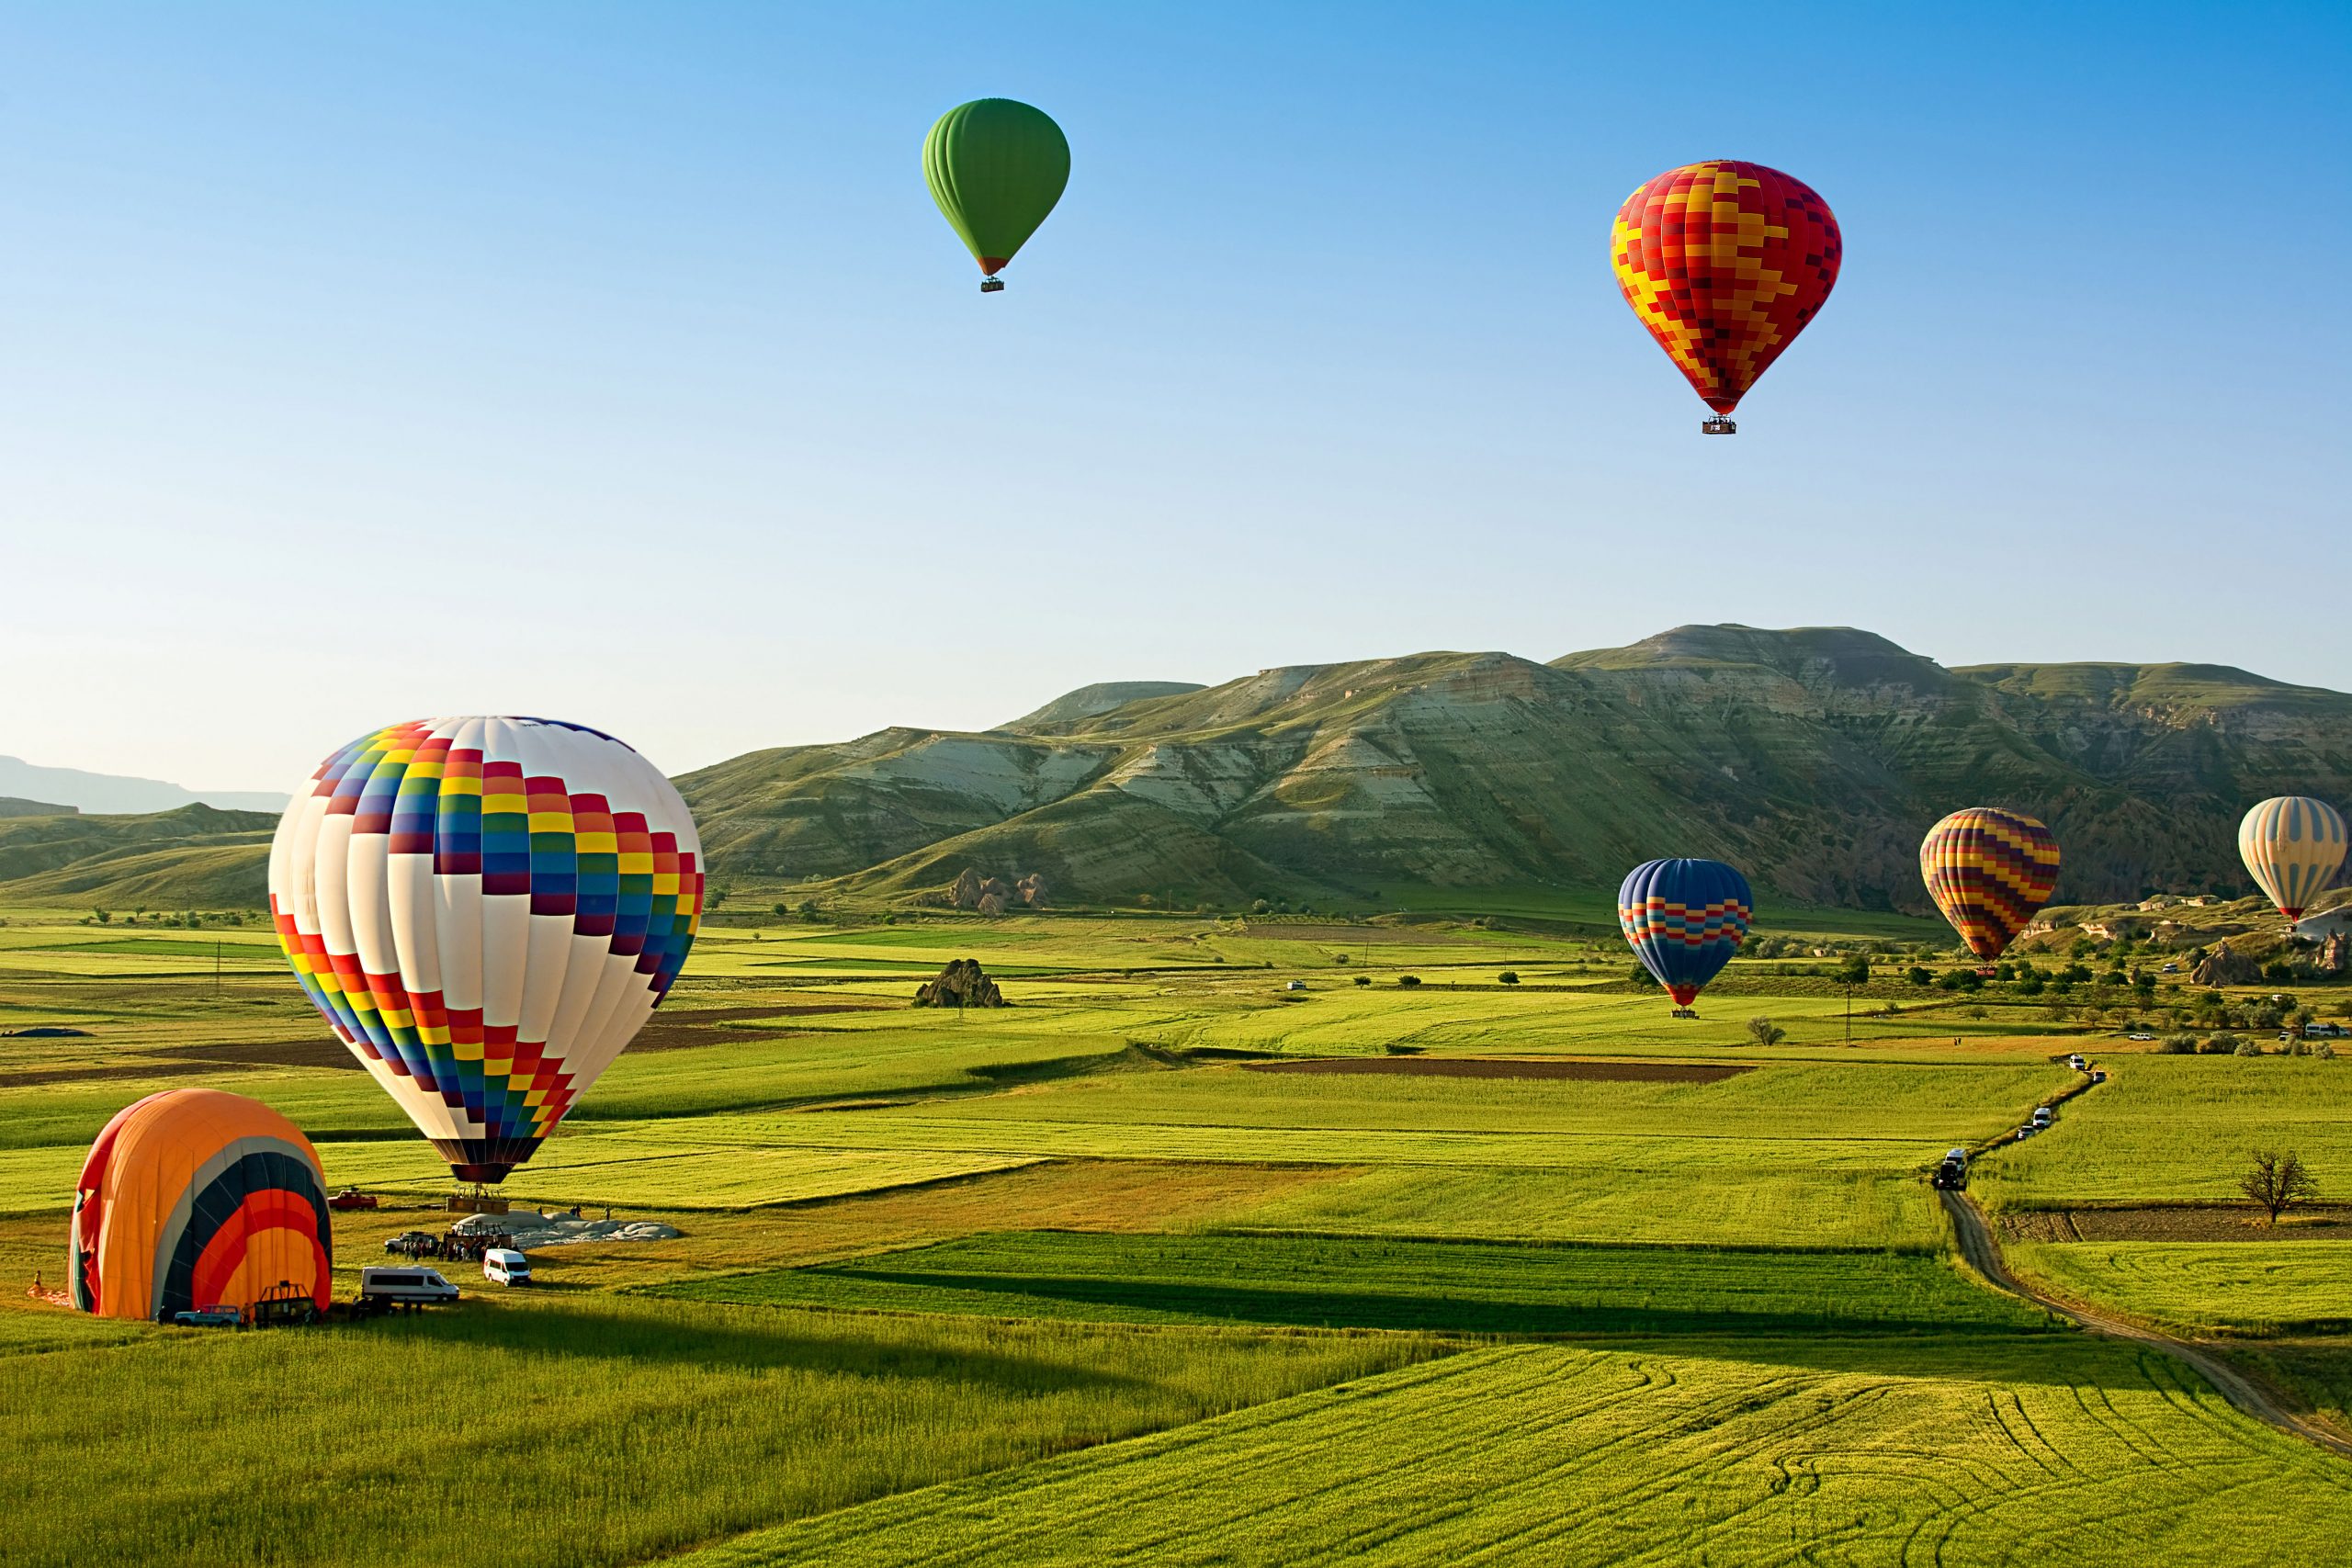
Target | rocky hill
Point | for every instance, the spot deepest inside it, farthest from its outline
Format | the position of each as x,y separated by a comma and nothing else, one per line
1813,759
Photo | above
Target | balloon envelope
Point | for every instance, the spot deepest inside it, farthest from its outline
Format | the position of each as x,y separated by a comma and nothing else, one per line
486,910
1989,871
996,167
195,1198
1725,263
1685,919
2294,846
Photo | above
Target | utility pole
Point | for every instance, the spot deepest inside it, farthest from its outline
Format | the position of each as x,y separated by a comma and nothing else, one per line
216,968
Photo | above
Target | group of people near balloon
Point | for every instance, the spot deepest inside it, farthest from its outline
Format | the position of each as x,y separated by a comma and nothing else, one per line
1724,263
1989,871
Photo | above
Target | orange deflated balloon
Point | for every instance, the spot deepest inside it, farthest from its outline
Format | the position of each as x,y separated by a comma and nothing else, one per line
195,1198
1725,263
1989,871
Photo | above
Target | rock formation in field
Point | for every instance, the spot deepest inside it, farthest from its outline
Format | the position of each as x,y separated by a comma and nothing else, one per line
963,893
1032,889
960,985
2224,965
991,904
2335,953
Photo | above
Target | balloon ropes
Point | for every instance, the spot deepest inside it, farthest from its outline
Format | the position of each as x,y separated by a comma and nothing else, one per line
1725,263
996,168
1684,918
1989,871
486,910
2294,846
194,1198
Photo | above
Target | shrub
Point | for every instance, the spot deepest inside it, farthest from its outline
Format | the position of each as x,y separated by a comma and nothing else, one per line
1364,979
2247,1048
1408,979
1508,977
1643,979
1919,977
2222,1045
1972,1012
1764,1031
2177,1046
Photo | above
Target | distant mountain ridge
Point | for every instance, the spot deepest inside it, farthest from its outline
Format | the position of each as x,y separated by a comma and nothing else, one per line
112,794
1814,759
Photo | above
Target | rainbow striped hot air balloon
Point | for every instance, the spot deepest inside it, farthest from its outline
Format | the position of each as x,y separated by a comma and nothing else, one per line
1685,919
486,910
2294,846
194,1198
1989,871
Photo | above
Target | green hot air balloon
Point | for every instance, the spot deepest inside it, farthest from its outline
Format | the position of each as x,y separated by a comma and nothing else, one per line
996,168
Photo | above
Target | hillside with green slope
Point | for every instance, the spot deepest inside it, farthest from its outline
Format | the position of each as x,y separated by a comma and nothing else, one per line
1814,759
194,857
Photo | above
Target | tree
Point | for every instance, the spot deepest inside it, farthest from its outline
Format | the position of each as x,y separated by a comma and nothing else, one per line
1508,977
1364,979
1764,1031
1643,979
1917,977
1259,906
105,917
1856,970
1408,979
2277,1182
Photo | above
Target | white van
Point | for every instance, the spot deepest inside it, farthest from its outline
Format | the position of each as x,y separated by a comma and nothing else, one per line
406,1287
2042,1115
505,1266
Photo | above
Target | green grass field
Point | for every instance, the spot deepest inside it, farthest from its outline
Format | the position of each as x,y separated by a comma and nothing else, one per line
2235,1287
1078,1281
1817,1450
1449,1286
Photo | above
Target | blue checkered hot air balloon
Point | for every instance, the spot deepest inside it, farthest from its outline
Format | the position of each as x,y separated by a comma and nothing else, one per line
1685,919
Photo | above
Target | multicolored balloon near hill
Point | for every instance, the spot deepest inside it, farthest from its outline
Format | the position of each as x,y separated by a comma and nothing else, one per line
2294,846
486,910
193,1199
1685,919
996,167
1725,263
1989,871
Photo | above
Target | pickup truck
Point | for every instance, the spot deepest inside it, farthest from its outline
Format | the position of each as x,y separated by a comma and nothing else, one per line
352,1197
218,1315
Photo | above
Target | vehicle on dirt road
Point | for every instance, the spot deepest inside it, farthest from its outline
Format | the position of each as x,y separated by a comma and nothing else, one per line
352,1197
2077,1063
1951,1176
2043,1116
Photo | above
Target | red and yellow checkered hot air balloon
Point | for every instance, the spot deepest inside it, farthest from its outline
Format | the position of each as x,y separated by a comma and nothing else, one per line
1725,263
1989,871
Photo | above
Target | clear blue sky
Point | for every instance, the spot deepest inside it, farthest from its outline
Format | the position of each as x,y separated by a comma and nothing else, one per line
361,363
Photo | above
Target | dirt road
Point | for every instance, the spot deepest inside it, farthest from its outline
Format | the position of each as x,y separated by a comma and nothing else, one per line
1984,1254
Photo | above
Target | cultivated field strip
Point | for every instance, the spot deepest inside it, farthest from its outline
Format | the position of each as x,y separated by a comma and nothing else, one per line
1818,1452
2238,1287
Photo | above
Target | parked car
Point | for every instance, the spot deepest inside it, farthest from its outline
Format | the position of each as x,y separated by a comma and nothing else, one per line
2043,1116
218,1315
2077,1062
505,1266
2142,1037
407,1241
2170,969
2027,1131
1296,985
405,1287
2097,1076
352,1197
